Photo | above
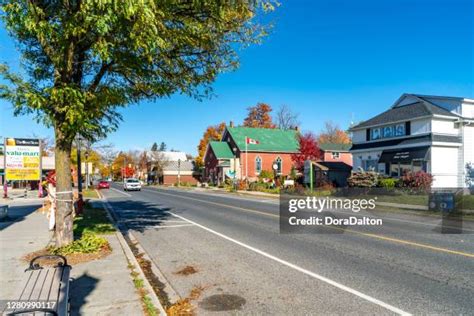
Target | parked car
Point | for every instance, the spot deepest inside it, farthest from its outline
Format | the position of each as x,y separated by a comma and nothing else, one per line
103,185
132,184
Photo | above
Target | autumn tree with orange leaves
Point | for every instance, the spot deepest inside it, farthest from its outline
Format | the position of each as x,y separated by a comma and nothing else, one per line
332,134
212,133
259,116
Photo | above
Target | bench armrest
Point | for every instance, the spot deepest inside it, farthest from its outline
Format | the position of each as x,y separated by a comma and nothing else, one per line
35,266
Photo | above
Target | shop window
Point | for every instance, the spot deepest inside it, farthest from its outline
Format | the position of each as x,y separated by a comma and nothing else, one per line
394,170
417,165
370,165
405,167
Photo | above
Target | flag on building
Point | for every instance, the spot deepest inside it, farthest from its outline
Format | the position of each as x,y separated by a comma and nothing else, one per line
251,141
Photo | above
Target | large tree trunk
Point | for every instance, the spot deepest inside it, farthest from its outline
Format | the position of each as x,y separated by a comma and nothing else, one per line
64,196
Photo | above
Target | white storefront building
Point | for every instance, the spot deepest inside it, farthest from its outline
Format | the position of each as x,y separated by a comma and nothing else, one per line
430,133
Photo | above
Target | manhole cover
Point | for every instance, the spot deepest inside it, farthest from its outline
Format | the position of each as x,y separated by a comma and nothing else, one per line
222,302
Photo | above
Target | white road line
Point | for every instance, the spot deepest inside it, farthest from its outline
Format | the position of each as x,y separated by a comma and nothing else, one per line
124,193
300,269
172,226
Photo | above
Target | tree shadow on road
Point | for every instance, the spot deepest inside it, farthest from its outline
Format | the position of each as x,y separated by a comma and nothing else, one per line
139,216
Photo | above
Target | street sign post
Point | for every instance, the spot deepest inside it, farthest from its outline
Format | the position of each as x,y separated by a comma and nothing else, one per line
308,173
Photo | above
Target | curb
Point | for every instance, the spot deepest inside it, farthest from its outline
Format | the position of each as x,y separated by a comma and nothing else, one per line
172,294
131,258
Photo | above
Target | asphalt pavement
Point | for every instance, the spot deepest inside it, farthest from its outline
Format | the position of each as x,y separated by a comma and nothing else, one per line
243,264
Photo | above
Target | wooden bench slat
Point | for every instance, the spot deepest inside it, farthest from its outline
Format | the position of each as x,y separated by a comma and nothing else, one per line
30,275
55,284
39,285
44,291
29,286
63,296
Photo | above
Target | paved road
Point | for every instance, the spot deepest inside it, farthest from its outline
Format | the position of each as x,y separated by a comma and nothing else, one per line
244,265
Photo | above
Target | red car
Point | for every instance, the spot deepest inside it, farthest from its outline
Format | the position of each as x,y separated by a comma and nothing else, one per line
103,185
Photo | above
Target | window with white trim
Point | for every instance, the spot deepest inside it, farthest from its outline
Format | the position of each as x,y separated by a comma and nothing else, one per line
258,165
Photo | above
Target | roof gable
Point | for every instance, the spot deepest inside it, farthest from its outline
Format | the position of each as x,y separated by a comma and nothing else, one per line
270,139
168,155
401,111
181,165
221,150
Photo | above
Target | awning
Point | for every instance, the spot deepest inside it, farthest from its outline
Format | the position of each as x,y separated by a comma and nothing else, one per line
224,164
404,154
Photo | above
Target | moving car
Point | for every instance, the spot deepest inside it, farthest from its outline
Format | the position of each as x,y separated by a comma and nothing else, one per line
132,184
103,184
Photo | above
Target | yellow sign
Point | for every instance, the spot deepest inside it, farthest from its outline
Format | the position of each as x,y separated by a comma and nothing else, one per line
23,174
22,159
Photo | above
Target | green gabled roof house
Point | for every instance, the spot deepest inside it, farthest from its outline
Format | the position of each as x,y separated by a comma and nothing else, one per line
244,152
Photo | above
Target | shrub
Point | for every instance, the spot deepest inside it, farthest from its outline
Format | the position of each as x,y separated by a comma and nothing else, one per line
417,181
388,183
265,174
293,173
259,186
183,184
363,179
470,175
241,185
88,243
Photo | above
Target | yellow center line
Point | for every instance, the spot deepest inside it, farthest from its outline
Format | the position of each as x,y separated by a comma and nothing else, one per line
381,237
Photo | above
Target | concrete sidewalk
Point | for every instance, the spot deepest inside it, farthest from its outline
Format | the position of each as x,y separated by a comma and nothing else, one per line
100,287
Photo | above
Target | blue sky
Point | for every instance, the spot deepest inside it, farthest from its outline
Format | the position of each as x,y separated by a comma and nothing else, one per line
327,60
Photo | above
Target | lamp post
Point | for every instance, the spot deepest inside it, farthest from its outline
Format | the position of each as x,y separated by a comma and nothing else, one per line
123,169
234,149
275,168
86,155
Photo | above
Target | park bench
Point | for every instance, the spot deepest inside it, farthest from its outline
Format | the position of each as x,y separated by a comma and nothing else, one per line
46,290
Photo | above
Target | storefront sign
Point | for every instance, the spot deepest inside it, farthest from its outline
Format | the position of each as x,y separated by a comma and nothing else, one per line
22,159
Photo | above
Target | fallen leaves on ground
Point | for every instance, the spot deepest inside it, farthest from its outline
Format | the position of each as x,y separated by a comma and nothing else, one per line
72,259
188,270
